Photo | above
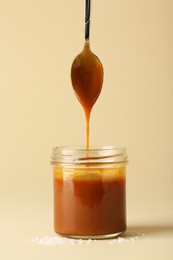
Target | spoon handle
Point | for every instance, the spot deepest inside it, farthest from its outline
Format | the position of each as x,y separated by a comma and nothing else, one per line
87,19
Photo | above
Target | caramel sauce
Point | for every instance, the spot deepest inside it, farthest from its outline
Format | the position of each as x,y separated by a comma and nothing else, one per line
90,202
87,80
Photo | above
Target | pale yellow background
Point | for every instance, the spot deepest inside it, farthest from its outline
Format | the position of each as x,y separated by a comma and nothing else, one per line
38,110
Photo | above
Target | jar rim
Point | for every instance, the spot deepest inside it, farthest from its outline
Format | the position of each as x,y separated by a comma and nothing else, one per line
98,154
91,147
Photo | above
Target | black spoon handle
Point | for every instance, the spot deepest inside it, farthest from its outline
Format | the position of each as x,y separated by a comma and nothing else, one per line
87,18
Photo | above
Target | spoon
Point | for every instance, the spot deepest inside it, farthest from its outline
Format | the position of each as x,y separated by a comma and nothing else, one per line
87,73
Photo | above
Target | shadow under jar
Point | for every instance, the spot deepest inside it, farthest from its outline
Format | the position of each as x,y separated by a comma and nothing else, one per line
89,191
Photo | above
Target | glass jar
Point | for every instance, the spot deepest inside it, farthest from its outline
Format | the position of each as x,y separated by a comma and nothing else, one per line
89,191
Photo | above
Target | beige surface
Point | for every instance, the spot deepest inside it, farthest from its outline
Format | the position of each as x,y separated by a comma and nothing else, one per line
38,110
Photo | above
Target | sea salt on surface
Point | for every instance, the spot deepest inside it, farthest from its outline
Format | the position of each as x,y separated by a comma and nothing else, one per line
57,240
127,239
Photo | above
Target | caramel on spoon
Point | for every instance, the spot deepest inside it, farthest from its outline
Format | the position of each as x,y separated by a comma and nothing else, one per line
87,74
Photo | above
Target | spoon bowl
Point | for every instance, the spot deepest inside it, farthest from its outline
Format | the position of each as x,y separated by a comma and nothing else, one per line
87,77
